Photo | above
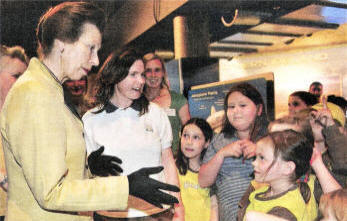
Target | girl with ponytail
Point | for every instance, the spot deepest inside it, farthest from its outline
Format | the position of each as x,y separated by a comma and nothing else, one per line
281,159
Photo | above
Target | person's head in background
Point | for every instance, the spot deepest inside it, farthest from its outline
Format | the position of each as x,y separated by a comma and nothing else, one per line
316,88
299,122
340,101
304,121
13,62
333,205
69,37
300,100
245,115
196,135
156,76
77,88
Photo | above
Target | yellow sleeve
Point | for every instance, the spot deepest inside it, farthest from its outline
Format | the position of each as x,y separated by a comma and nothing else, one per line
38,141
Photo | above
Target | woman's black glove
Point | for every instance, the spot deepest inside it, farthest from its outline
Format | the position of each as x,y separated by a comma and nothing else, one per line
103,165
148,189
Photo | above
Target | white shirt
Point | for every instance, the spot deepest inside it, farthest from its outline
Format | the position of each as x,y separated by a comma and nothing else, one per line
136,140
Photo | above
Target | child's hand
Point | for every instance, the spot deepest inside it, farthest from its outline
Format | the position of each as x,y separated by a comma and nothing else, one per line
248,148
316,158
323,116
233,149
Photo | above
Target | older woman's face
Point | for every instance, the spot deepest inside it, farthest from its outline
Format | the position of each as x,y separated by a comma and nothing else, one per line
79,57
154,73
295,104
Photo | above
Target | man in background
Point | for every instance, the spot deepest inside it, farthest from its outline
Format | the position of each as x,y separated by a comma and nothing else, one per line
13,62
316,88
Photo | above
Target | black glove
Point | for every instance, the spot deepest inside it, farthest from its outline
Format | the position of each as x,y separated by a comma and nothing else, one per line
103,165
148,189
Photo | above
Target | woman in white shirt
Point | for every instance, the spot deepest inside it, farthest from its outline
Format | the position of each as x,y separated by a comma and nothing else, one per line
128,126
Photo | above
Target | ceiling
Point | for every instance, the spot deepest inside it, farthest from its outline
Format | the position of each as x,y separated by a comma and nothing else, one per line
261,23
269,23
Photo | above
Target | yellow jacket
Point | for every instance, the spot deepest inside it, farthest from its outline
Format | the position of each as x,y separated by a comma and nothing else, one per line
3,194
46,157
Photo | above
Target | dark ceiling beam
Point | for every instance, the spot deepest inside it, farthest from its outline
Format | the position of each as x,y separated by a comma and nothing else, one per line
280,34
233,49
246,43
331,4
303,23
136,17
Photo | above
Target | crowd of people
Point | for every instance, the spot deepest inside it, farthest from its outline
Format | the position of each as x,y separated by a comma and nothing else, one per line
120,145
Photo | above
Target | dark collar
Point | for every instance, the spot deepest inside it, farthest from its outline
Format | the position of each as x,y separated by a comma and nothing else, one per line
109,107
67,95
69,103
51,73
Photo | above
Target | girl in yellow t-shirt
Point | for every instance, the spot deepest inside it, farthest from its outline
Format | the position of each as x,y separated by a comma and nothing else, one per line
199,204
281,158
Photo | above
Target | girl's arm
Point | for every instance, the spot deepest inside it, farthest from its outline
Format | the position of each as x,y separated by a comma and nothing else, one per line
214,208
326,180
184,114
171,177
208,171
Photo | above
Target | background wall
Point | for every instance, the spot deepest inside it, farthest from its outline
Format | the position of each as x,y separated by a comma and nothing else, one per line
293,70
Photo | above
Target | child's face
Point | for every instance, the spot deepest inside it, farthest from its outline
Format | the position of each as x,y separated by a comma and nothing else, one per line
295,104
241,111
264,159
192,141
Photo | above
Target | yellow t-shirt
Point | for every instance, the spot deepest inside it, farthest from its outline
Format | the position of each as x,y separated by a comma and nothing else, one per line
196,200
292,200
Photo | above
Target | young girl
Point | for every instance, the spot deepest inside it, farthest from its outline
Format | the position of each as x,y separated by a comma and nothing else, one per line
245,122
198,203
281,158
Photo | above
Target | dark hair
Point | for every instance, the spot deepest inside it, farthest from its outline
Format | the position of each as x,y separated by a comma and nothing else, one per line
316,83
293,146
15,52
114,70
182,162
65,22
260,122
308,98
338,100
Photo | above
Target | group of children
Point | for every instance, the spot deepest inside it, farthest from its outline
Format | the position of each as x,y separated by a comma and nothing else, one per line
278,156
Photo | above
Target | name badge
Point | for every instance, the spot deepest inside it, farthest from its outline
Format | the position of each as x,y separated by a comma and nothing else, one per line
170,112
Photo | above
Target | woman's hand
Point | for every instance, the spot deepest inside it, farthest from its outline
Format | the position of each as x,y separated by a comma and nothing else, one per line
104,165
